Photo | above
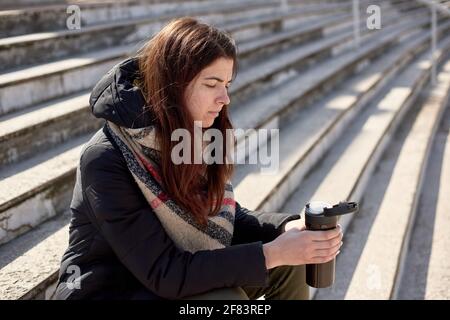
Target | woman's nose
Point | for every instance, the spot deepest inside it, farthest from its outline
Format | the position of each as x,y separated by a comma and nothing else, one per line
224,97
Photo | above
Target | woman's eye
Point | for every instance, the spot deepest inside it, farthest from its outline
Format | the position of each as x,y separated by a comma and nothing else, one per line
213,86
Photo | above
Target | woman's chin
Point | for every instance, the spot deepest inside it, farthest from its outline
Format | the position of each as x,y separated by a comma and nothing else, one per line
207,123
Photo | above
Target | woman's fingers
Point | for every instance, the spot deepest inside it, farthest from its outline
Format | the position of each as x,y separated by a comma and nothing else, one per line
327,235
324,259
328,250
327,244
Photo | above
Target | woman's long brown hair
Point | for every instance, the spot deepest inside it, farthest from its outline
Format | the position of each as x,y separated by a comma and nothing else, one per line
167,63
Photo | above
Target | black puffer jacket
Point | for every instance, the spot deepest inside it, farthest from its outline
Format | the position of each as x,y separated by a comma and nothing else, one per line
117,246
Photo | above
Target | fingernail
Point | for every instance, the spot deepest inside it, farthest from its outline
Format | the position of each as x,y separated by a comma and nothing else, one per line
342,243
338,252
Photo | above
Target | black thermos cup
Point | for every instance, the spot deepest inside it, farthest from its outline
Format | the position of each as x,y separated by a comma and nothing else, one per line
322,216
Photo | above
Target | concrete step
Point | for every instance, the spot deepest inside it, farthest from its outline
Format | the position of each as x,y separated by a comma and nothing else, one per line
31,86
56,79
47,18
426,273
281,65
55,122
332,26
420,4
21,4
47,126
314,129
263,47
301,89
15,4
37,48
387,241
345,172
38,189
30,264
43,47
283,19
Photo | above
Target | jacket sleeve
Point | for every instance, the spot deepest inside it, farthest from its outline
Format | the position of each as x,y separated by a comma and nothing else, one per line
133,231
251,226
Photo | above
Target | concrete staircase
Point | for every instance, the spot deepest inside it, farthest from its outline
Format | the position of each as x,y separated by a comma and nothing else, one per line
385,159
300,72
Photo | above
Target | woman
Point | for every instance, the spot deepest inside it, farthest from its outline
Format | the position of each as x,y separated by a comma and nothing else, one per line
144,227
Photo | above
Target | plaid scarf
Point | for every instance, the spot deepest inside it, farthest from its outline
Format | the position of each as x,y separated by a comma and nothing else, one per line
141,153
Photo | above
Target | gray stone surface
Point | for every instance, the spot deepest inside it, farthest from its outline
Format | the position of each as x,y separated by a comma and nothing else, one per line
41,47
43,190
32,258
329,182
389,233
427,267
259,183
355,236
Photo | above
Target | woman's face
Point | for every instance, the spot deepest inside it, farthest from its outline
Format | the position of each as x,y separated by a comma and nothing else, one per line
207,93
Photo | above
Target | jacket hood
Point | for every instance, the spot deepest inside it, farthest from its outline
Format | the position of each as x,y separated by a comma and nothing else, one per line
117,99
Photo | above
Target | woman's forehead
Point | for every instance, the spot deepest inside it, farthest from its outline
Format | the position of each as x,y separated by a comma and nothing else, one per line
221,69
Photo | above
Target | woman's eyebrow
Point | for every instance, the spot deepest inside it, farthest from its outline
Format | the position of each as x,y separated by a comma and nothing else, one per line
216,78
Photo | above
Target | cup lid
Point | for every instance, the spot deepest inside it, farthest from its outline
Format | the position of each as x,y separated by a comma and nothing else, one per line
316,207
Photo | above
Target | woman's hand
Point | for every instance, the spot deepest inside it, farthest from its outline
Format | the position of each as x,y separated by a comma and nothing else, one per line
298,224
298,246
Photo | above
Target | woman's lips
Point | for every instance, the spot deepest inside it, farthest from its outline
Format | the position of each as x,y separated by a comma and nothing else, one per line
213,113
